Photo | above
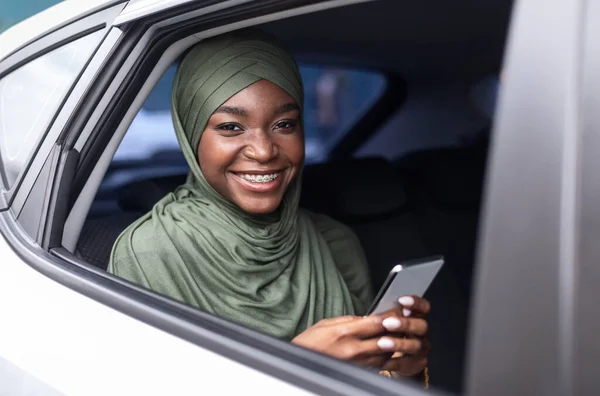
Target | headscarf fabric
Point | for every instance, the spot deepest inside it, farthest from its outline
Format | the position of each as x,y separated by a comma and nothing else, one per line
277,273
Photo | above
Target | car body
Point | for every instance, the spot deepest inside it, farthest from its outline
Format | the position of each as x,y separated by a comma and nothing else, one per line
68,327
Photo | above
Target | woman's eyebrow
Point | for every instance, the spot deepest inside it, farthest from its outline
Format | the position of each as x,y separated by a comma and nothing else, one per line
286,108
232,110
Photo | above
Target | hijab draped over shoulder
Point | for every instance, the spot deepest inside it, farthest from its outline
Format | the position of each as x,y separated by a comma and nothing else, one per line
278,273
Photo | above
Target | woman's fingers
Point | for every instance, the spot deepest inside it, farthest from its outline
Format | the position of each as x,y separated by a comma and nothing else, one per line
365,327
414,306
409,346
410,326
371,326
385,346
337,320
406,365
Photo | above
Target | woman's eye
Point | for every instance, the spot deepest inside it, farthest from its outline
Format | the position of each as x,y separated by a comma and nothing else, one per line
229,127
286,124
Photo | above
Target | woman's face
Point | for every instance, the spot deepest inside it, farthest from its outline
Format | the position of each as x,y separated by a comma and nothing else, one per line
253,147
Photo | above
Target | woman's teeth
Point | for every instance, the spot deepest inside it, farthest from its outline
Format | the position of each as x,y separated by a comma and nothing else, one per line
259,178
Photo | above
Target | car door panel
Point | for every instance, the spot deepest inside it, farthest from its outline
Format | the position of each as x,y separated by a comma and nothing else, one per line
81,347
585,346
522,322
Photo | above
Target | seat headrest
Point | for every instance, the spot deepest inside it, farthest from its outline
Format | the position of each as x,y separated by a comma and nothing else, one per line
449,176
357,188
144,194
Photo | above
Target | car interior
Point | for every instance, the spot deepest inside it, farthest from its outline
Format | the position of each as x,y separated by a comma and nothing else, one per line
407,175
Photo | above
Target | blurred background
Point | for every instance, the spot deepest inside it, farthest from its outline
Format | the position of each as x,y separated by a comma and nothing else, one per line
14,11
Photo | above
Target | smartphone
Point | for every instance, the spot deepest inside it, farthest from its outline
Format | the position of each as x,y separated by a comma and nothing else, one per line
411,278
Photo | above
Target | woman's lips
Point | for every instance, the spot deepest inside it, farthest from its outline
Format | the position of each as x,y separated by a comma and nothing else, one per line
259,182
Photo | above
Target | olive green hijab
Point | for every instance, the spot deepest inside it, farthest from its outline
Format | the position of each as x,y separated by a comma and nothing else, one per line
278,273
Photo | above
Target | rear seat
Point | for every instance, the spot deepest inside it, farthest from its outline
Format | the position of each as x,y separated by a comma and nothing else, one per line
368,195
446,186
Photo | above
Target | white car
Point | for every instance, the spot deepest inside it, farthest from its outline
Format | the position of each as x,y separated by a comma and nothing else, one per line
74,77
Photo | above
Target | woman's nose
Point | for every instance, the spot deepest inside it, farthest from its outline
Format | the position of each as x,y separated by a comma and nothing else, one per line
261,148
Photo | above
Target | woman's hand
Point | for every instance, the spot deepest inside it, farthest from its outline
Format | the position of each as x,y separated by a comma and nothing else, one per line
409,365
391,341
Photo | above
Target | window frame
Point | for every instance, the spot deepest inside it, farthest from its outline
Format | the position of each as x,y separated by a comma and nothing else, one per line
98,21
585,353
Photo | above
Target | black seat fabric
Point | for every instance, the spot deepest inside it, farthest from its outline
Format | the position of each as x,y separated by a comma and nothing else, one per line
446,187
99,234
368,195
371,199
144,194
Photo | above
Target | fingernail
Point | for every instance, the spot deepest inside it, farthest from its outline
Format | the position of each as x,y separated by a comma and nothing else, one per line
406,312
391,323
386,344
406,301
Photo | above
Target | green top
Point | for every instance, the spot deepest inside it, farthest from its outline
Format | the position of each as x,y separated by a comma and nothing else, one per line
277,273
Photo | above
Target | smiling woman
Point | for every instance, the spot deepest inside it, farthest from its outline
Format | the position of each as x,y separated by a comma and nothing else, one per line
253,147
233,241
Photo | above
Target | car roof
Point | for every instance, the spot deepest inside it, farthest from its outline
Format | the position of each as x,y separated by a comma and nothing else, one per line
36,26
417,39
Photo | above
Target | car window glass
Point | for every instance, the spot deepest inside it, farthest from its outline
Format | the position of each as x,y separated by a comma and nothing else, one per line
30,97
334,99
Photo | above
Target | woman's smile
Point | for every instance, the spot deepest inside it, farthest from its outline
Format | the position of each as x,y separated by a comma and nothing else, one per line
259,181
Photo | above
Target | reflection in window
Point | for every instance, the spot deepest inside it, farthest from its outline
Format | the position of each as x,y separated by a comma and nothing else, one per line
30,97
334,99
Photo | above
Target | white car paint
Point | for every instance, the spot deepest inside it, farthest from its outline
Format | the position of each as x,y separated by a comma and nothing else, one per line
137,8
81,347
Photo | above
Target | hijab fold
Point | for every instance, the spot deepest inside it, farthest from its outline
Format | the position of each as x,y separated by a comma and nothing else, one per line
278,273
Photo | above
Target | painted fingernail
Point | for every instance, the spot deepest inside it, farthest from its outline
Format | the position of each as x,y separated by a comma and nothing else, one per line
406,301
406,312
391,323
386,344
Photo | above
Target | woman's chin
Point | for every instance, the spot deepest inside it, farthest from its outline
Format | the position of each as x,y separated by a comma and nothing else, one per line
259,206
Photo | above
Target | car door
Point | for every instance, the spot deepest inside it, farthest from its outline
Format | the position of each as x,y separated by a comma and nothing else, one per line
86,333
531,329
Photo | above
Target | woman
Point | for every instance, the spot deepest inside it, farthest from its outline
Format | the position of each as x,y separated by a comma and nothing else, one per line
232,240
